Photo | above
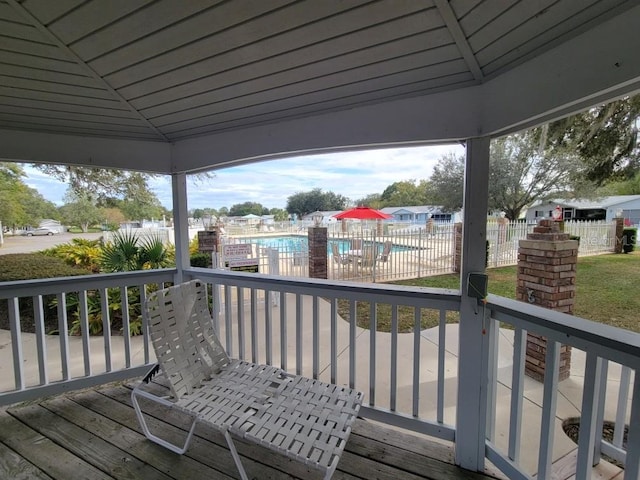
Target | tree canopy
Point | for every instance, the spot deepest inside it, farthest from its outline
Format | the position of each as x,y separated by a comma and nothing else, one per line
522,170
604,137
302,203
20,204
247,208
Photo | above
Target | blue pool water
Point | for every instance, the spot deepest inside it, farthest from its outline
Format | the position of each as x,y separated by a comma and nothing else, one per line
294,243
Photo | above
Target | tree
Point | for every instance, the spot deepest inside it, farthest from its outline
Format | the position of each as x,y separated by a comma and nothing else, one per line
246,208
126,190
605,138
302,203
447,182
522,170
279,214
405,193
19,203
372,200
81,210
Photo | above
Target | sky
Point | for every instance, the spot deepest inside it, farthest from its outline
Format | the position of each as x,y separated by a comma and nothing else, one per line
351,174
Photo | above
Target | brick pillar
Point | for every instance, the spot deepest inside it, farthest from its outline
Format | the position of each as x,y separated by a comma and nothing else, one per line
317,252
379,228
619,230
457,247
547,262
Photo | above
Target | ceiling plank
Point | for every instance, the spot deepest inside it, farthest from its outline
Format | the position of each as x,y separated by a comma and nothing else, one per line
257,77
48,35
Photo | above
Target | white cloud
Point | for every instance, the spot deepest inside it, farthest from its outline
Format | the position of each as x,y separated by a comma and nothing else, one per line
351,174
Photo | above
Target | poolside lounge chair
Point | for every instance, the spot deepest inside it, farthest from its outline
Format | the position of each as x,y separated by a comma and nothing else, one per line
302,418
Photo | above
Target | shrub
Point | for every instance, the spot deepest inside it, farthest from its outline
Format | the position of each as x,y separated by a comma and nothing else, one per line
629,236
27,266
202,260
79,252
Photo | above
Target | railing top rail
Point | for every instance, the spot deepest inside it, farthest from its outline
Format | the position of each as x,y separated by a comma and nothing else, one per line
444,298
622,346
27,288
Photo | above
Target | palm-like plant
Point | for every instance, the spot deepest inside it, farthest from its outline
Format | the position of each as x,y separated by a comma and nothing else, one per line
126,252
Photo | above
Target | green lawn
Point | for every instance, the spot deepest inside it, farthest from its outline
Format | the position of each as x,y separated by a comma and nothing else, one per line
606,292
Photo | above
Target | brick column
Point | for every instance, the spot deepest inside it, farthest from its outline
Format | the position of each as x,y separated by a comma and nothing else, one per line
317,237
547,262
619,230
457,247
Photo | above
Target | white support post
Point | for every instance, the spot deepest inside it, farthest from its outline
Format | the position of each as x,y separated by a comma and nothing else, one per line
180,222
473,361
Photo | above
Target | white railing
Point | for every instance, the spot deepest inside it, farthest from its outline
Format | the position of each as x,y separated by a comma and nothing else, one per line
40,364
601,388
312,327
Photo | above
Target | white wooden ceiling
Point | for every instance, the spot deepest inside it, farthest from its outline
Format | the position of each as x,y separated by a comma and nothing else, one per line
218,82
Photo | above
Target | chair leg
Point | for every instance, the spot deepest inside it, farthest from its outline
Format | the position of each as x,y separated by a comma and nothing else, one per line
234,454
143,423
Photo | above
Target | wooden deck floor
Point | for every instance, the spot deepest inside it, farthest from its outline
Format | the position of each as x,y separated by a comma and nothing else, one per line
94,434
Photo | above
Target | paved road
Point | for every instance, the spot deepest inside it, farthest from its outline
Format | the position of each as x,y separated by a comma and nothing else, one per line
20,244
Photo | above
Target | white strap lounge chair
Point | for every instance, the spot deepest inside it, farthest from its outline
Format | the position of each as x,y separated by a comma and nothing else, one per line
304,419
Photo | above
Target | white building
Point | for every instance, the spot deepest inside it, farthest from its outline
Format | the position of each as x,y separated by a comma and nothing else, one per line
604,208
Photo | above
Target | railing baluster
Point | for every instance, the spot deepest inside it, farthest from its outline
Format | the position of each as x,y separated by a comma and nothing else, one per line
442,336
373,328
145,325
393,384
588,416
106,327
417,316
241,333
316,337
632,464
228,327
621,411
283,330
602,394
126,325
84,331
353,316
63,333
334,339
41,344
299,315
517,389
268,326
254,325
16,343
549,402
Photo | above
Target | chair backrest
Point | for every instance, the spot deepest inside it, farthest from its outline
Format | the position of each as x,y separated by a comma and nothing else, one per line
386,251
368,256
335,253
181,329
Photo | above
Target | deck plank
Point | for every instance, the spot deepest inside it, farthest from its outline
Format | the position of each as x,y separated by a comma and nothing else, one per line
42,452
15,467
95,434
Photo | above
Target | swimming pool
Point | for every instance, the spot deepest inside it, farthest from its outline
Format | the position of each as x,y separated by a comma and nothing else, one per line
299,243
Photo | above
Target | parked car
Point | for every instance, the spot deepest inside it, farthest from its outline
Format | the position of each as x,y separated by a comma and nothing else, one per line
39,231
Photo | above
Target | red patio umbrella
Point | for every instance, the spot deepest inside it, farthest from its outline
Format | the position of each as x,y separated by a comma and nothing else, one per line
362,213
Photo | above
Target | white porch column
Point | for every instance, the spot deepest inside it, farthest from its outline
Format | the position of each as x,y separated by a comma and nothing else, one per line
180,222
473,343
